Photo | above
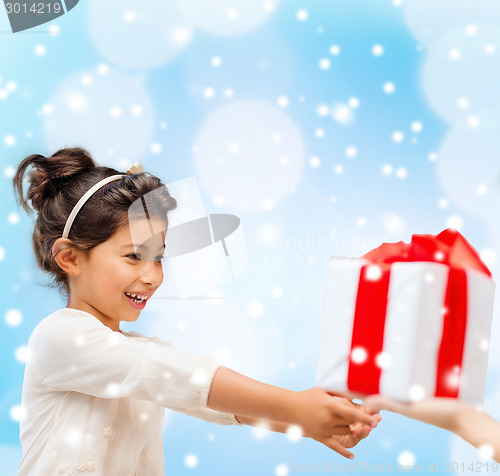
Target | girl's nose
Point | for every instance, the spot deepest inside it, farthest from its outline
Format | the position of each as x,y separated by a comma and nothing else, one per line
152,273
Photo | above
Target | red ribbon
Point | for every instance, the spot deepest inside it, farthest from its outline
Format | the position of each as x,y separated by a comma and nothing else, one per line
368,332
450,248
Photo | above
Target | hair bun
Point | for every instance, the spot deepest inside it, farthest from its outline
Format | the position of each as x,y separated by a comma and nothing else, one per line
49,175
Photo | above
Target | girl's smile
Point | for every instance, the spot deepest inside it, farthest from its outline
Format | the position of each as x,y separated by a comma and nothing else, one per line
136,300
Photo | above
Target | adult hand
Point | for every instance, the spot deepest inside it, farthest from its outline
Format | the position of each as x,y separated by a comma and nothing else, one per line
442,412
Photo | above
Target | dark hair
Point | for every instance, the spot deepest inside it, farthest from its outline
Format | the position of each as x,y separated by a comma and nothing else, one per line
58,182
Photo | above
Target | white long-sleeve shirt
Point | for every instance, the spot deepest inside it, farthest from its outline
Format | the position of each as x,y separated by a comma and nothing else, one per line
94,399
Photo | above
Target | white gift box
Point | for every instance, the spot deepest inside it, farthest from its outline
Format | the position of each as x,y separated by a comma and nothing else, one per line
412,332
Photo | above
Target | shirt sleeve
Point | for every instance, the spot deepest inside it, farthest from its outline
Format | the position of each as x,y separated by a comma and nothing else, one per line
207,414
78,353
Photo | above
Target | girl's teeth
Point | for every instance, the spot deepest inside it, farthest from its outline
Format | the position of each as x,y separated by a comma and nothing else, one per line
134,297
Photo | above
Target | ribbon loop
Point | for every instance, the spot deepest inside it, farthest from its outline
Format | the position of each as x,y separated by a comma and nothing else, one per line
449,247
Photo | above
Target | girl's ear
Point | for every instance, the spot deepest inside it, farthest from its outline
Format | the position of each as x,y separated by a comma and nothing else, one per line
66,256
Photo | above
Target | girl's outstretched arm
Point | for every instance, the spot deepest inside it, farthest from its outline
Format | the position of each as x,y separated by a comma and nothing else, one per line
320,414
473,425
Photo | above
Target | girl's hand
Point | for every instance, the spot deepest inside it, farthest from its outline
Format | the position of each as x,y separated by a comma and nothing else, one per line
339,443
332,420
442,412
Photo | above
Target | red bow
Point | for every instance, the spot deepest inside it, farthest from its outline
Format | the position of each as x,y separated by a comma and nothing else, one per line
449,247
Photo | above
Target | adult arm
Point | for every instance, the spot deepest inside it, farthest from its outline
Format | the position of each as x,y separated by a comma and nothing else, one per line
473,425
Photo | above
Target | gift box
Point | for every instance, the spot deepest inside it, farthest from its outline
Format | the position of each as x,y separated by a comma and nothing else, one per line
409,321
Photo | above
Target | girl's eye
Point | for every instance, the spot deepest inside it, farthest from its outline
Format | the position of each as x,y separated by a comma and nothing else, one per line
137,257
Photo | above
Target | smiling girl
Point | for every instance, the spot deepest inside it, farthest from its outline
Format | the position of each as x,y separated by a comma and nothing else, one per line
94,396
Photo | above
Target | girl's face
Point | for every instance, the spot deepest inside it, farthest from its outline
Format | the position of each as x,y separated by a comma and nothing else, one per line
116,269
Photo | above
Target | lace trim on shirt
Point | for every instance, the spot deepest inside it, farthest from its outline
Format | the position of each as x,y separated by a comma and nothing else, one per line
89,464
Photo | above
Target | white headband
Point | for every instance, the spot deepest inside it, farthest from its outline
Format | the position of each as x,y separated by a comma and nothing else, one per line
135,168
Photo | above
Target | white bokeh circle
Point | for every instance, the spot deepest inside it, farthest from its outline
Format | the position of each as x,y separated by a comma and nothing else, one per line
469,170
250,154
460,79
226,17
428,19
101,116
137,34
